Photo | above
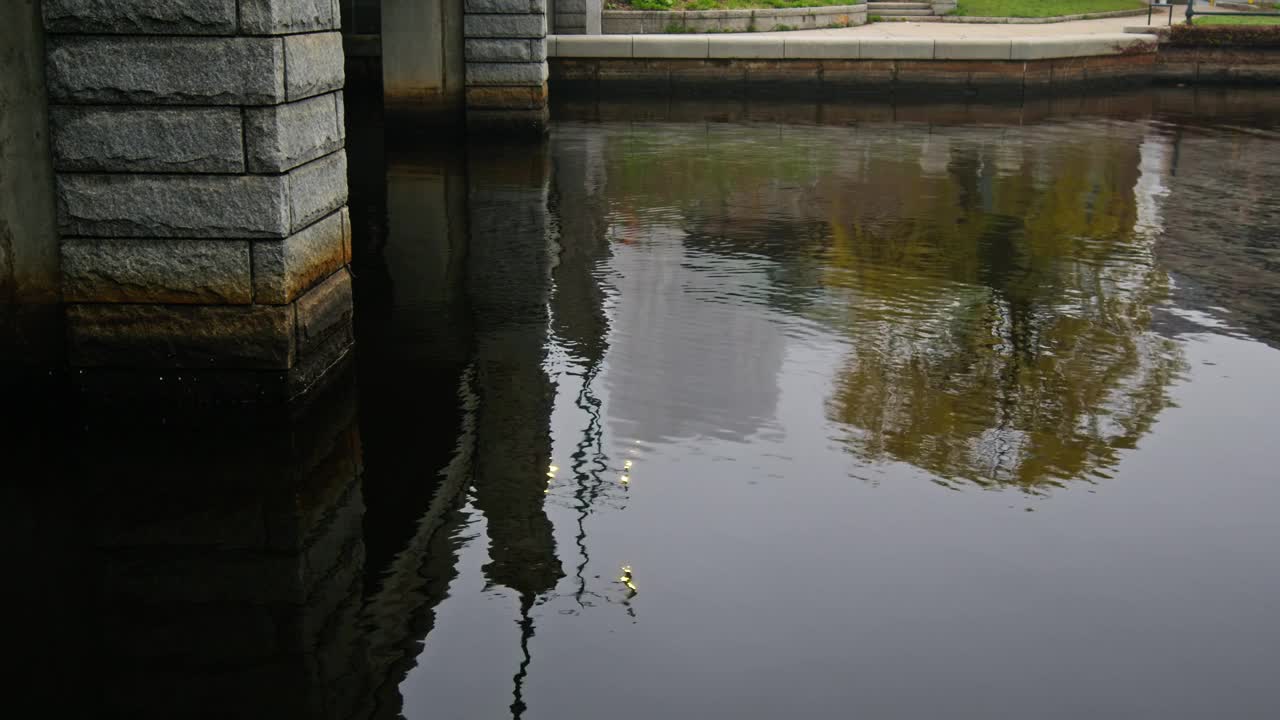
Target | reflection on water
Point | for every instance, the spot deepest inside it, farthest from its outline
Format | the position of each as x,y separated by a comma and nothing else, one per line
991,287
656,419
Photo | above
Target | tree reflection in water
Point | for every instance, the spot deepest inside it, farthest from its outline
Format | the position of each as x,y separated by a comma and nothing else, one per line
995,287
1001,333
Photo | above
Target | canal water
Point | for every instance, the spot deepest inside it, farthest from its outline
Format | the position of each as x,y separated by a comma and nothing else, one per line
726,412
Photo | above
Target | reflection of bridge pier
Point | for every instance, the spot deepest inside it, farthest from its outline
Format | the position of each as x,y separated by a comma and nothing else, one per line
205,563
509,285
457,302
417,406
579,318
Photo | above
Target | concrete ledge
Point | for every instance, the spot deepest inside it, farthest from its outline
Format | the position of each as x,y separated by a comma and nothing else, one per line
602,46
852,47
896,49
975,49
822,48
746,48
672,46
1080,46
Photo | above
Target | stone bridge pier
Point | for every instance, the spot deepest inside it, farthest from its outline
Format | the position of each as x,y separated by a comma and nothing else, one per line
201,186
446,62
176,168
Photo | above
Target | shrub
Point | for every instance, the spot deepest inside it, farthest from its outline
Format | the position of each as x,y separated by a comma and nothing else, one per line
1251,36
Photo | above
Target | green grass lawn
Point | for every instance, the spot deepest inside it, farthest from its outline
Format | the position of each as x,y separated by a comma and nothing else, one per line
718,4
1042,8
1234,20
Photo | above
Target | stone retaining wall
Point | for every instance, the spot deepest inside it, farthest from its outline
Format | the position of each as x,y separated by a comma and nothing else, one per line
1217,66
834,66
943,17
201,183
833,78
633,22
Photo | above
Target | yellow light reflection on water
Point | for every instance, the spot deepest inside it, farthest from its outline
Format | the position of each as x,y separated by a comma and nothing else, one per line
626,578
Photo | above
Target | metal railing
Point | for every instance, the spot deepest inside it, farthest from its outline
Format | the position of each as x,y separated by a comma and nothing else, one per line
1153,4
1192,12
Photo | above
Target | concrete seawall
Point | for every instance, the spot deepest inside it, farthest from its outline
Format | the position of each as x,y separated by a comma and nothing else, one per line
834,65
1217,66
841,65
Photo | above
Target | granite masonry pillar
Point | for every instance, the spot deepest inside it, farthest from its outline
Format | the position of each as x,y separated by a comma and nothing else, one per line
577,17
506,66
201,185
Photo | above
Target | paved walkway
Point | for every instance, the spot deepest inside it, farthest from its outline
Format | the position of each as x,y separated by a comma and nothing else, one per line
960,31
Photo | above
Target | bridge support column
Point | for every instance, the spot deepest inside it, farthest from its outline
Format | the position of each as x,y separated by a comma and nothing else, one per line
577,17
201,185
506,66
29,293
422,60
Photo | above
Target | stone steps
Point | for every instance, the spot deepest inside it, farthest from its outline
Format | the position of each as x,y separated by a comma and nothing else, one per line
900,10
